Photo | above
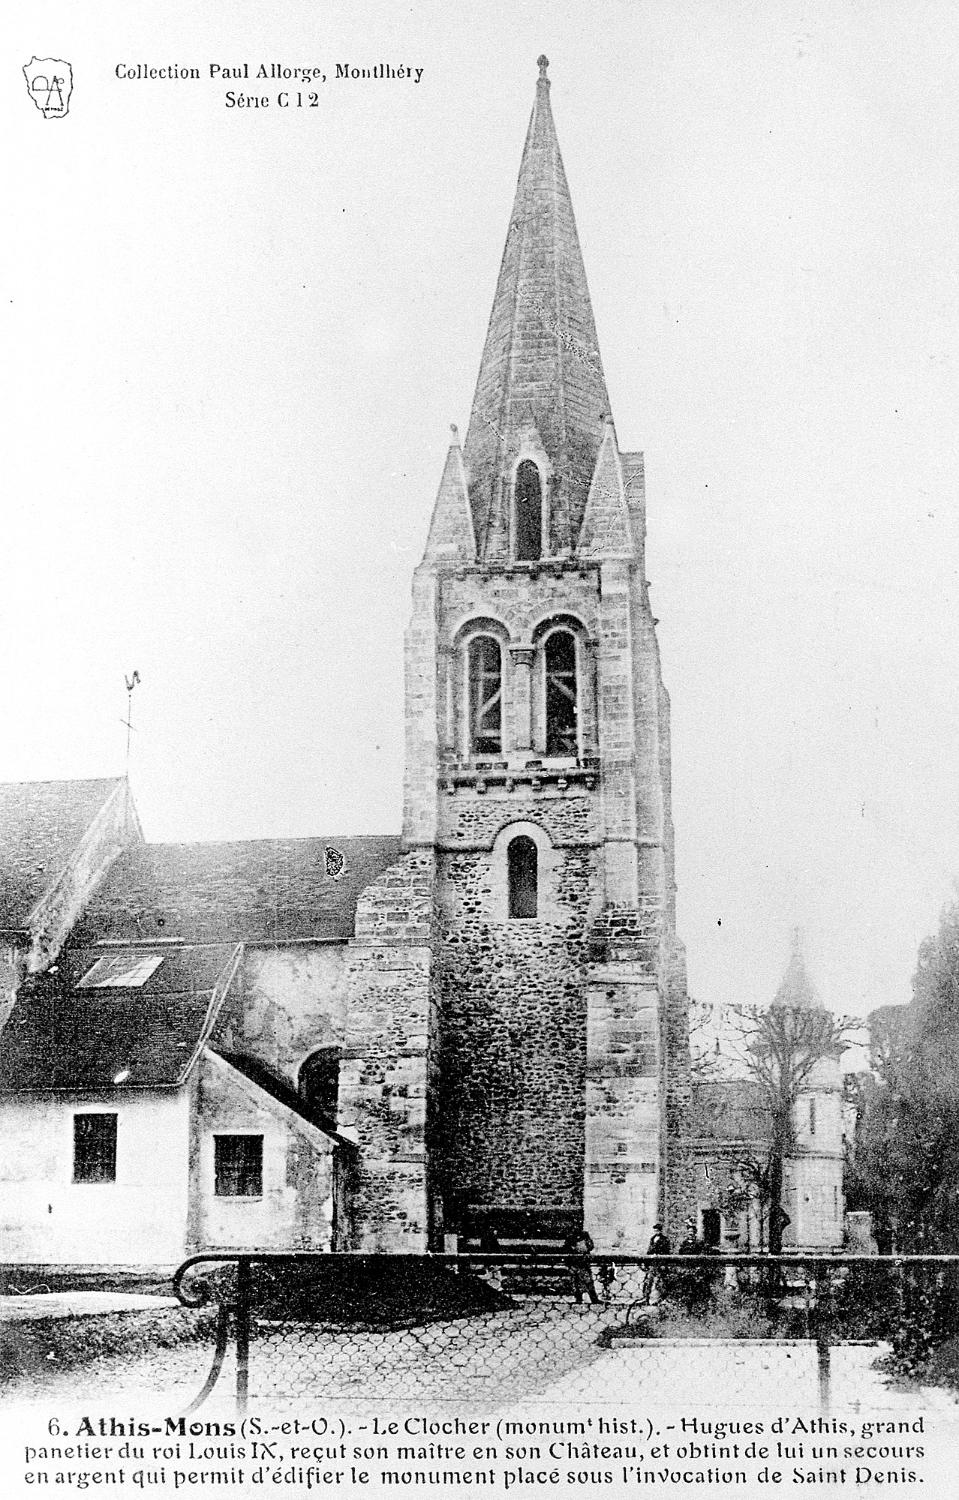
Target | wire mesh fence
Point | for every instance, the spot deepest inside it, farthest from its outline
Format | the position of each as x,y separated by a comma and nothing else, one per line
493,1329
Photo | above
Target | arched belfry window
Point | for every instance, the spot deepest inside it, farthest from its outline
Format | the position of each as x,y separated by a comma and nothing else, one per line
319,1082
528,512
522,875
561,705
485,661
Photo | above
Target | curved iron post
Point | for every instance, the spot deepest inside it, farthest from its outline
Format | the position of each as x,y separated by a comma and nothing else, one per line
219,1354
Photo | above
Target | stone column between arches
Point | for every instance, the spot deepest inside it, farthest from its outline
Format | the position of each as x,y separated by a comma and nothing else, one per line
522,659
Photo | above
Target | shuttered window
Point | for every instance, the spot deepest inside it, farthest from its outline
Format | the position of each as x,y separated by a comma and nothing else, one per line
485,696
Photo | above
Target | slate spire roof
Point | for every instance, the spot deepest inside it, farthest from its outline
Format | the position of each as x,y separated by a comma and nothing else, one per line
541,370
796,989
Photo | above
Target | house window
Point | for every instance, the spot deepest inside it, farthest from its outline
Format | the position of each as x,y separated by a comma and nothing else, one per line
561,693
95,1148
319,1082
485,696
812,1117
238,1166
522,875
528,512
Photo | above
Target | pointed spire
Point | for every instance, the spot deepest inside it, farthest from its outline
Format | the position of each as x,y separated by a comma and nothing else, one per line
451,529
796,989
607,530
541,367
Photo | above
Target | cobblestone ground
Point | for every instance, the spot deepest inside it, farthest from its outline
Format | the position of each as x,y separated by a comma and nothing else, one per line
541,1352
167,1378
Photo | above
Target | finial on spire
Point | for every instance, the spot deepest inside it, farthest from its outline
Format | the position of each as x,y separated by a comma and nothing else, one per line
542,63
455,432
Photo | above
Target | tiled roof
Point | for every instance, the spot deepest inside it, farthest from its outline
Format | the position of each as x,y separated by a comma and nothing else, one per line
261,890
726,1112
41,824
282,1091
62,1037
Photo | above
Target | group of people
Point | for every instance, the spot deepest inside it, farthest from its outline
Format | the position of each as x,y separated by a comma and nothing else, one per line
692,1285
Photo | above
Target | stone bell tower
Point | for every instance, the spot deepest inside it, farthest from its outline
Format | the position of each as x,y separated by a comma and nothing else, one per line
538,778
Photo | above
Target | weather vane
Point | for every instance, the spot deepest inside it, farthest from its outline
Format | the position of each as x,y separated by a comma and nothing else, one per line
131,683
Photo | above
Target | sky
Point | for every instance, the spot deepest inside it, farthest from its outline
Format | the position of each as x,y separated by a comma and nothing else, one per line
234,340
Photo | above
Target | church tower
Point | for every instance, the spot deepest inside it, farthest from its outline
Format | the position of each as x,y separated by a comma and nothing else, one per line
538,779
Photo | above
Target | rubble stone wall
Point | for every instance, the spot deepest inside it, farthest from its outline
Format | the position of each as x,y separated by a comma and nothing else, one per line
513,1027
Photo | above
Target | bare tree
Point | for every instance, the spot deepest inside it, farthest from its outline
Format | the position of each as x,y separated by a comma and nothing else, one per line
752,1170
730,1109
779,1049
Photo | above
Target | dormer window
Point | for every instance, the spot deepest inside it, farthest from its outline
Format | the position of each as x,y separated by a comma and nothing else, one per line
528,512
485,667
561,705
121,971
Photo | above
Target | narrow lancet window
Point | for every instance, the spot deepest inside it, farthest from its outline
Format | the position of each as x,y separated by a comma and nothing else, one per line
522,876
561,706
485,696
528,512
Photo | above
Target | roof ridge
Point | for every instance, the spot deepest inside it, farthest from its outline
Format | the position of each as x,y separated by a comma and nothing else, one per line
295,838
65,781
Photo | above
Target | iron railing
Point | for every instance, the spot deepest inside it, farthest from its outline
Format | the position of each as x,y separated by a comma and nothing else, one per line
488,1328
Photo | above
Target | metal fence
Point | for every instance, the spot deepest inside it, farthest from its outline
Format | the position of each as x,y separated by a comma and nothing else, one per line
491,1329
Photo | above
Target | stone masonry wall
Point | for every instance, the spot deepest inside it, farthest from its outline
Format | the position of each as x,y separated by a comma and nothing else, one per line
289,1001
469,818
678,1191
513,1032
624,1111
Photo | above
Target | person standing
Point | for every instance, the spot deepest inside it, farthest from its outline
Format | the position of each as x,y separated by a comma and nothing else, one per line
697,1281
579,1246
653,1281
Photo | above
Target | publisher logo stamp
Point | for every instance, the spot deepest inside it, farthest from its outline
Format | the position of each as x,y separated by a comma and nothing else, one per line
49,84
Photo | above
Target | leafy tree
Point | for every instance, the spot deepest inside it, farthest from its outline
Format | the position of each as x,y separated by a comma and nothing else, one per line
905,1167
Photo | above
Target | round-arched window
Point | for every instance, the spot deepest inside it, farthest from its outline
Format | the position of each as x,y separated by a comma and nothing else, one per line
319,1082
485,685
522,873
528,512
561,694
